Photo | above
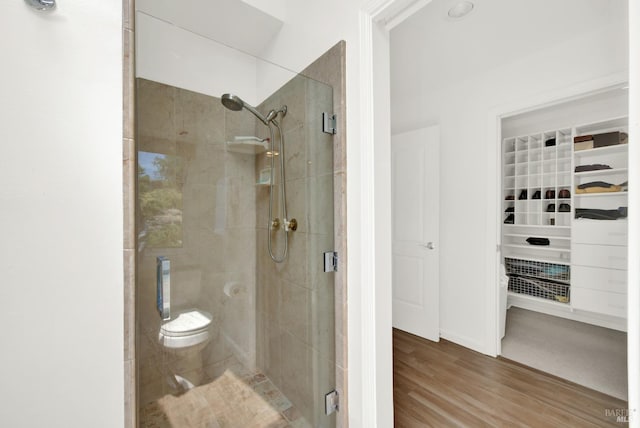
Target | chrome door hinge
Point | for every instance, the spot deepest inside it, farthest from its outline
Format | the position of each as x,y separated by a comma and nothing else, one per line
331,261
331,402
329,123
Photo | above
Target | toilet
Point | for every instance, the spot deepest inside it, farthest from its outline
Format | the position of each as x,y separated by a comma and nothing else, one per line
184,337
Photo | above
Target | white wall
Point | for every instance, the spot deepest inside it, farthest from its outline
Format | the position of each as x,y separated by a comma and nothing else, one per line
61,213
178,57
246,25
174,56
462,108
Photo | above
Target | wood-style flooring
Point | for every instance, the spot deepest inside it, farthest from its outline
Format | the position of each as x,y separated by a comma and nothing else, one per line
443,384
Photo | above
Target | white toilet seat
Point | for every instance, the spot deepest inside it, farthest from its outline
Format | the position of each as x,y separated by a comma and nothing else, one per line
188,328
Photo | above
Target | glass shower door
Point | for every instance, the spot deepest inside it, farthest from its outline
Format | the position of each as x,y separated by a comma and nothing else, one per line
249,342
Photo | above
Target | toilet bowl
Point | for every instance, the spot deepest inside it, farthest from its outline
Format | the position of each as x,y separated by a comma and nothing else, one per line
183,338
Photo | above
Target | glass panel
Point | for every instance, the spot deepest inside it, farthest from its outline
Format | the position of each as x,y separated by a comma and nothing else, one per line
250,341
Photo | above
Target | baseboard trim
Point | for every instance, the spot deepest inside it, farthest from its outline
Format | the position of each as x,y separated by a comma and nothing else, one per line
464,341
565,311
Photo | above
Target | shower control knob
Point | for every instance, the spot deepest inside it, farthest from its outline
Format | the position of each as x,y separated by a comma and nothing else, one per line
291,225
429,245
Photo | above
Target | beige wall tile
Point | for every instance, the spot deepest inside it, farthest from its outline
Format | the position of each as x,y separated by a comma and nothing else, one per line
241,208
241,124
323,383
323,332
293,95
296,311
129,172
155,110
128,14
297,377
199,118
342,417
130,408
296,156
320,202
296,266
128,84
129,305
129,179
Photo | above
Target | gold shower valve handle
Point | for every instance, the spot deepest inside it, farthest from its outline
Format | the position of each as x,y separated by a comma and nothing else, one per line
291,225
275,224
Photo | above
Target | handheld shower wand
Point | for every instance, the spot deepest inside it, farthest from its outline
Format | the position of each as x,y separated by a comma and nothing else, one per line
235,103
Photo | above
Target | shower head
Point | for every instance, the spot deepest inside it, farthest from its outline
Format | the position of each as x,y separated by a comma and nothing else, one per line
235,103
232,102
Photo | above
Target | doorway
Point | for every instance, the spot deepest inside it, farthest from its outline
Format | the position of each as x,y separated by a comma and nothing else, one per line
554,320
525,70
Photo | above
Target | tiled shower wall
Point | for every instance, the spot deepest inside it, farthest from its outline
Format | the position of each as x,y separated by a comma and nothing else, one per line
218,231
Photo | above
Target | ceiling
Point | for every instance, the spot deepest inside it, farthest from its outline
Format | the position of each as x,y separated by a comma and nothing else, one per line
430,50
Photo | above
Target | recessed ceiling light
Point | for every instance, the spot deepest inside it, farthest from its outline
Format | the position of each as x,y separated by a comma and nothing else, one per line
460,10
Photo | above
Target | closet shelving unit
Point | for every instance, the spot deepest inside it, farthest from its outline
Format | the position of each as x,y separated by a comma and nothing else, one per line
532,163
599,247
534,173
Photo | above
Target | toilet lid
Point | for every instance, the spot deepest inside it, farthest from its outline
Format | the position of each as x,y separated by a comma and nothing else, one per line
187,322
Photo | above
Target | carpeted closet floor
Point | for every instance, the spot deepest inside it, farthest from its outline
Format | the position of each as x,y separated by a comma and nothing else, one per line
588,355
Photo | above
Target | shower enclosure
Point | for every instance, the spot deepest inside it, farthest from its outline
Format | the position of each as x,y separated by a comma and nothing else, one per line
211,200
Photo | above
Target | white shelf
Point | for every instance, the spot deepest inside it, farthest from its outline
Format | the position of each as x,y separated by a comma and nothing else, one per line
541,226
606,125
542,260
525,235
610,171
616,148
594,221
540,301
248,145
539,247
600,194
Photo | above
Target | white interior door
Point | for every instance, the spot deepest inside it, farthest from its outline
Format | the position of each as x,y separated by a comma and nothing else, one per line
415,198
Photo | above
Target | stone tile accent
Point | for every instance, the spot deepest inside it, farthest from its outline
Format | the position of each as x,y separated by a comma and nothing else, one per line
233,399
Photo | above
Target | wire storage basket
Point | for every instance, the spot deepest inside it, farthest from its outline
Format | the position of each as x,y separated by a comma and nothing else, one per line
537,269
544,289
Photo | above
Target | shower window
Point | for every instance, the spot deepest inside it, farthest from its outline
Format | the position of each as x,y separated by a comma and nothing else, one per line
160,198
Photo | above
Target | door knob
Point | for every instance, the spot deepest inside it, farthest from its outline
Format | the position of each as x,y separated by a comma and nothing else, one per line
429,245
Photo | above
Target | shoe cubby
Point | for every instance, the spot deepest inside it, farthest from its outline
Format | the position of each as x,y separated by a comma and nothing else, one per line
535,168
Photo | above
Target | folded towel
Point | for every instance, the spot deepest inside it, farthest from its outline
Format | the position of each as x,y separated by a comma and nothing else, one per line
598,214
598,187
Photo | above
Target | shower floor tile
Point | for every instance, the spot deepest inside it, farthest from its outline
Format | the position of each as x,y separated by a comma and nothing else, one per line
228,401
